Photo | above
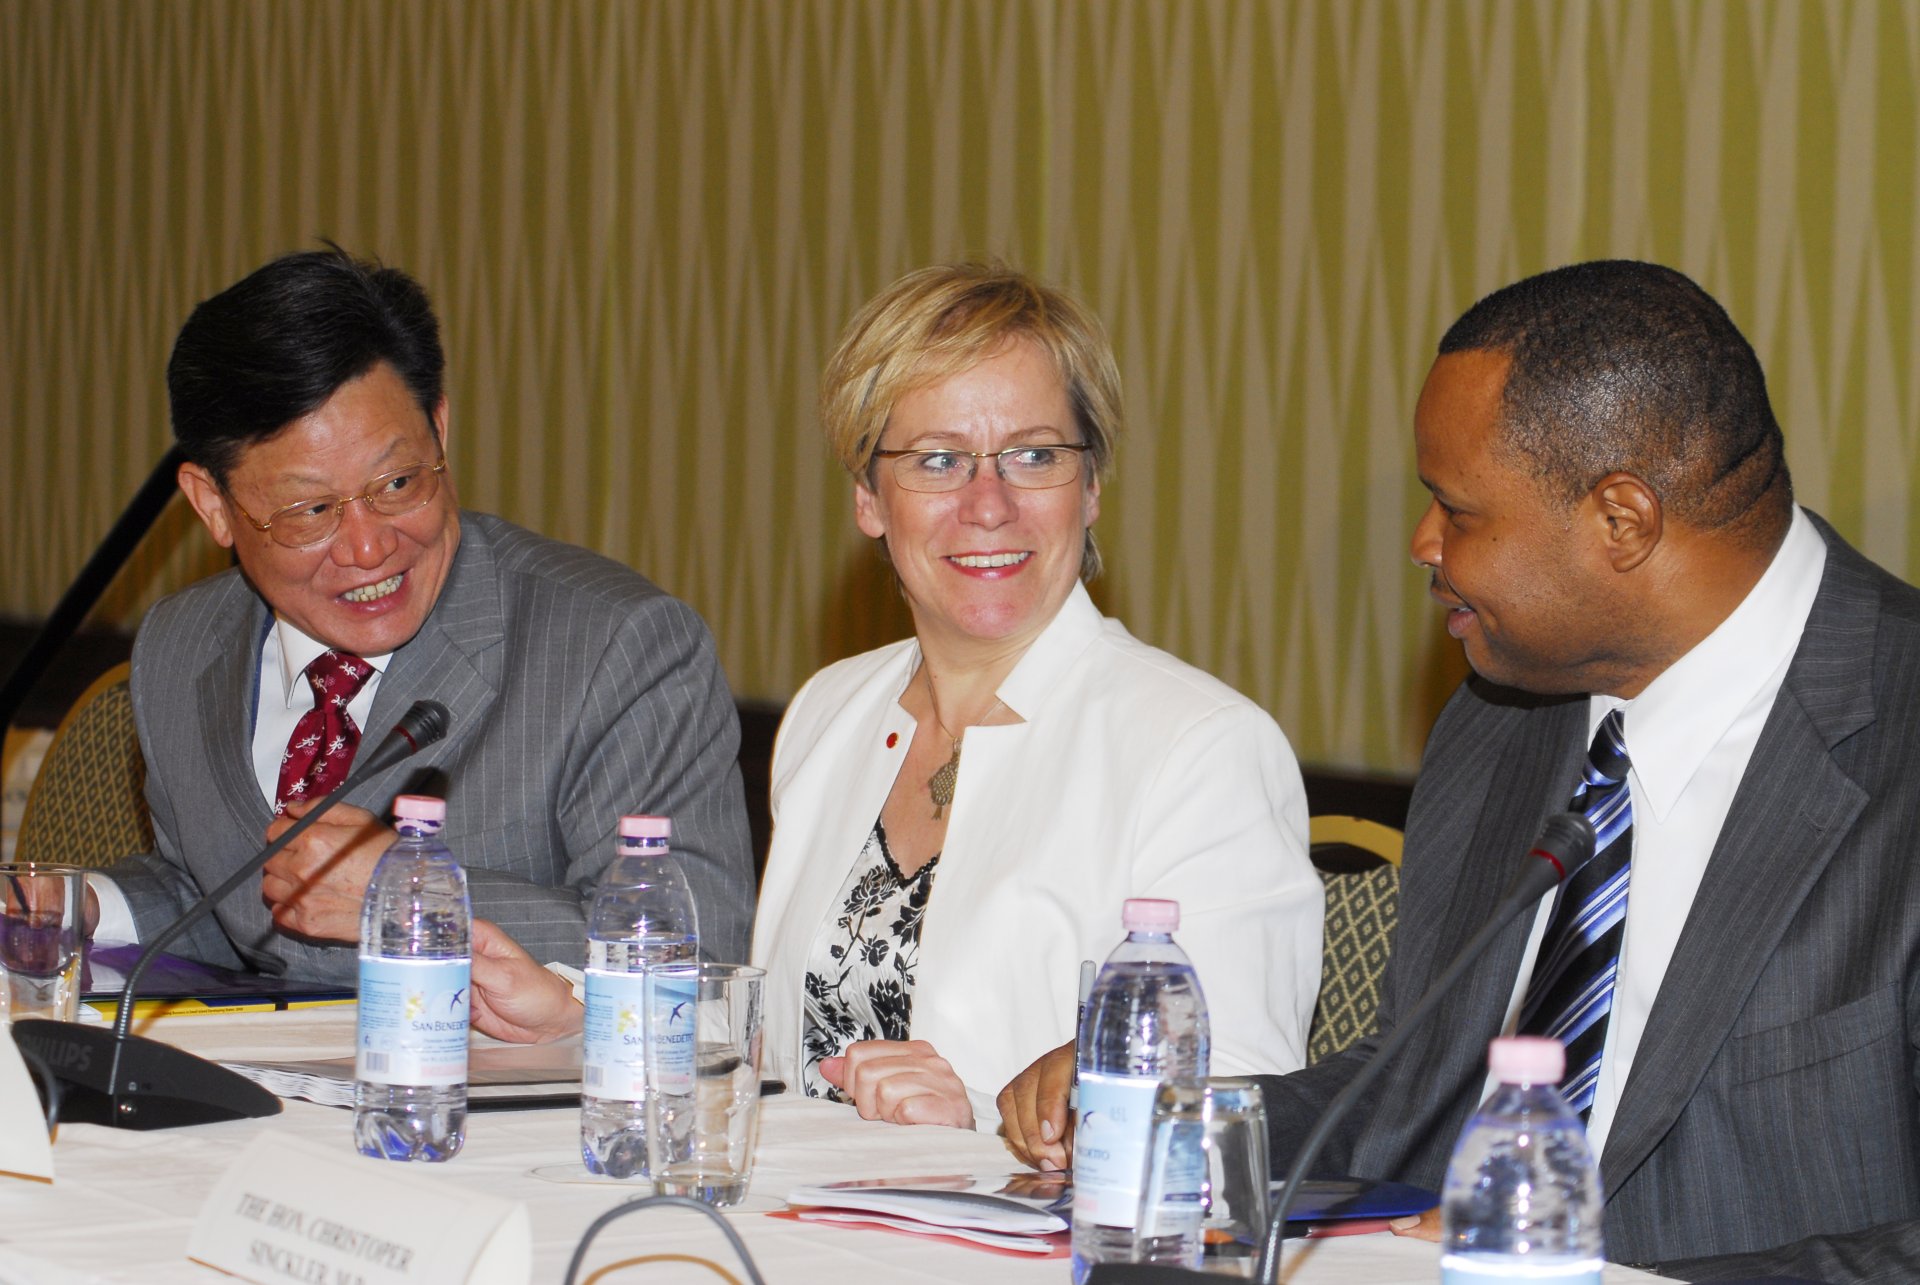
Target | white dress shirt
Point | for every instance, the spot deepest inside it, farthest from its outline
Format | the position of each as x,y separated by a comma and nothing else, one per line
1689,735
283,697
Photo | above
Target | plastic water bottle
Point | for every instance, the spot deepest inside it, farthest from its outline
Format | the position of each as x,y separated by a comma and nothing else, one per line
642,915
1523,1198
1146,1020
410,1055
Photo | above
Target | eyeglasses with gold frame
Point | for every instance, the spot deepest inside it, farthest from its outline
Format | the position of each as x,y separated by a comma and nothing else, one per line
393,494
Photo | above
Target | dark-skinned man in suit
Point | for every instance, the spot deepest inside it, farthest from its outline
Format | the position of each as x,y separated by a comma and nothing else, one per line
1613,538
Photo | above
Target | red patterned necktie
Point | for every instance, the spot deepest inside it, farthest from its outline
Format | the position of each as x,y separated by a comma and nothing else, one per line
321,748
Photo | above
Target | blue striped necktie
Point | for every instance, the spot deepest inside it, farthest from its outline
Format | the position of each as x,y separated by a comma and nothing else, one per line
1571,992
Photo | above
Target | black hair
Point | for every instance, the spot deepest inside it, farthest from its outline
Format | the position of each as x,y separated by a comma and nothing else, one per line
277,344
1620,366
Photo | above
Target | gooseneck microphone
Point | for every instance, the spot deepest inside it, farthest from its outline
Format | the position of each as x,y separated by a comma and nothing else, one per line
129,1082
1565,844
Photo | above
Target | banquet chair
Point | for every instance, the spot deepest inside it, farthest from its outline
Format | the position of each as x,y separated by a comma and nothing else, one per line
88,806
1359,862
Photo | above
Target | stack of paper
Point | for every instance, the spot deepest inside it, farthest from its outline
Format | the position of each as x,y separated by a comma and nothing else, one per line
497,1075
1021,1213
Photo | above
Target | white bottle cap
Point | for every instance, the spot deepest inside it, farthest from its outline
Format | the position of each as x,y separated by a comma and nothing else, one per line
1149,915
420,807
645,827
1527,1059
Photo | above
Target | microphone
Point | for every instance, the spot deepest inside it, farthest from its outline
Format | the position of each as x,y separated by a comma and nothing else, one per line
1565,844
126,1081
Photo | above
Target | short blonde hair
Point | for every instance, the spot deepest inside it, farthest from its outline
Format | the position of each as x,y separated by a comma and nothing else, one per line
940,321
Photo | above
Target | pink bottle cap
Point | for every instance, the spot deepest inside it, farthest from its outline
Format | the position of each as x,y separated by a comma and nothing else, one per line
420,807
642,827
1149,915
1527,1059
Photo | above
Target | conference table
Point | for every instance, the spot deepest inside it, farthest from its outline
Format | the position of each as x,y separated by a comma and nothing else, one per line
122,1204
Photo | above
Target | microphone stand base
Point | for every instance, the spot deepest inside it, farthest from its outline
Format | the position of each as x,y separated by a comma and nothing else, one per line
156,1085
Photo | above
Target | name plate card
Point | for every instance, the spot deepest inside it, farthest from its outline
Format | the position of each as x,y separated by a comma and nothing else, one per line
25,1149
292,1210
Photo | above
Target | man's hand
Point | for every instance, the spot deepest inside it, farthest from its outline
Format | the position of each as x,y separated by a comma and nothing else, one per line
514,998
315,885
1033,1111
902,1082
1418,1226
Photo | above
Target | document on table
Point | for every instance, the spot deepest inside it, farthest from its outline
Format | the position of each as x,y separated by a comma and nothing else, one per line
498,1075
176,986
1025,1204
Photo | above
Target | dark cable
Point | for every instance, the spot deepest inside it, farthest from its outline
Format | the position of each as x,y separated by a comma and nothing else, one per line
49,1083
632,1206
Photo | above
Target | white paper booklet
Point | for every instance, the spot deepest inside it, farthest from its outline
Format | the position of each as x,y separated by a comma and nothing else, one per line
1029,1204
991,1239
494,1072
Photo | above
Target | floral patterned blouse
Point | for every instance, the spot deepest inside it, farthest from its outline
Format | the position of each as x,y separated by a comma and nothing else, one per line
860,974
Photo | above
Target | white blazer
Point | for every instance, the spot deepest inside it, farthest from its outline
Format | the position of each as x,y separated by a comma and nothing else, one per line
1132,774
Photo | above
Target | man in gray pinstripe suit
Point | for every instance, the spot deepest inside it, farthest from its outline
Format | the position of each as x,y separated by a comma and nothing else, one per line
1612,528
308,400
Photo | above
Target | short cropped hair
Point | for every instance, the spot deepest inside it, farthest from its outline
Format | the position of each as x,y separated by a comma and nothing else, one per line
278,343
940,321
1631,367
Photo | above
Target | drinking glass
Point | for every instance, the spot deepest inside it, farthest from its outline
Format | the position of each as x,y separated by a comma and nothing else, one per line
41,907
702,1024
1204,1197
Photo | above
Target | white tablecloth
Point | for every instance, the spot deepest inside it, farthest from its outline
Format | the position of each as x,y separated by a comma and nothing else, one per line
123,1203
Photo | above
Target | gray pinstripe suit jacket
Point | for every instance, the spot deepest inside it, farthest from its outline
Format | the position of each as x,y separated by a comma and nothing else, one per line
578,690
1771,1121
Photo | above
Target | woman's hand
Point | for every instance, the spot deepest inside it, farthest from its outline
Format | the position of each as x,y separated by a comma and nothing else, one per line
1033,1111
514,998
901,1082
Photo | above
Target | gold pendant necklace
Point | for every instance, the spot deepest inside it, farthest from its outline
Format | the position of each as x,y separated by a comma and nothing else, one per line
940,784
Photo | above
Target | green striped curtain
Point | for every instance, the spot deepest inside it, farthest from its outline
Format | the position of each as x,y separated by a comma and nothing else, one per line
644,224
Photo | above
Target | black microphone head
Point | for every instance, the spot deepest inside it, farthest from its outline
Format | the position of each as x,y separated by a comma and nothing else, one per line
424,723
1566,841
1565,844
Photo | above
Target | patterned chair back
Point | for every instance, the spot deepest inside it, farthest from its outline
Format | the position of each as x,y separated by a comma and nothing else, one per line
1363,905
88,806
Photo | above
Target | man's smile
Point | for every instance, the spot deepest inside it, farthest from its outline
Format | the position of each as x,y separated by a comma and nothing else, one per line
376,591
1459,615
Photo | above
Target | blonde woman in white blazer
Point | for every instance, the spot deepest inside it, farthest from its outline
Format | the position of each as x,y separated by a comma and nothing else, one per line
958,817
